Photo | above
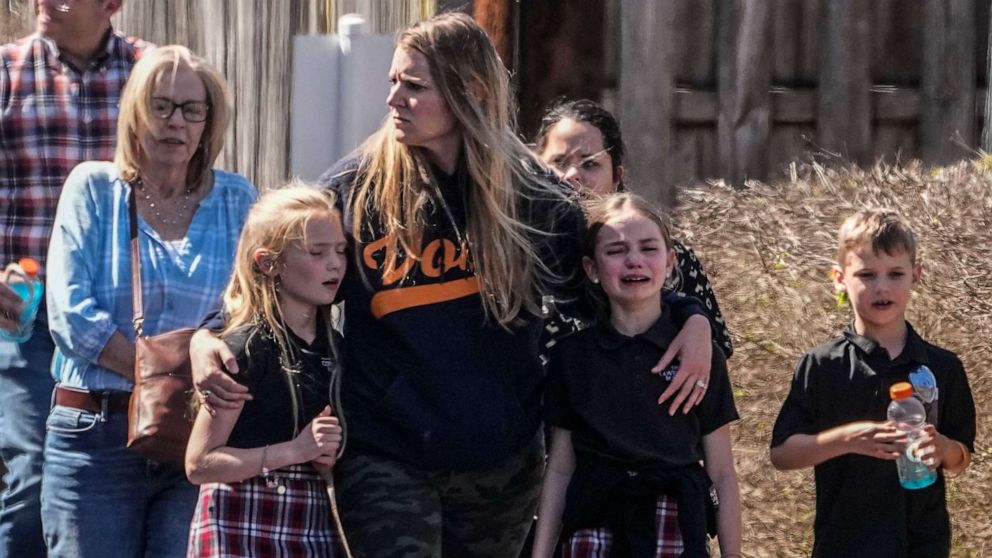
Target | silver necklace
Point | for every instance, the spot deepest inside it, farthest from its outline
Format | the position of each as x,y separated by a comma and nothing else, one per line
180,212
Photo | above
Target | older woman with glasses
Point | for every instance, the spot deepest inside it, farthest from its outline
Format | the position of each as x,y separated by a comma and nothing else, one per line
98,498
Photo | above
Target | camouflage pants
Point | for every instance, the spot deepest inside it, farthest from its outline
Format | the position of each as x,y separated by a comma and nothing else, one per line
392,509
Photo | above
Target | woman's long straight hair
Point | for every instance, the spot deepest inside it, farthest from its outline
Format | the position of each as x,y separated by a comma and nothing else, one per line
396,188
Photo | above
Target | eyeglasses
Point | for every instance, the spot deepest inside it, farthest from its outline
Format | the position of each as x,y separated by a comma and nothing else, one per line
192,111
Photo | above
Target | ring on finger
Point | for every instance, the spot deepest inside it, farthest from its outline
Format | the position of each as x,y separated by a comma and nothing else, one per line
206,393
700,384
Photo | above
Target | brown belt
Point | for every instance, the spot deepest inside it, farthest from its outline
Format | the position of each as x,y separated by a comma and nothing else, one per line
93,401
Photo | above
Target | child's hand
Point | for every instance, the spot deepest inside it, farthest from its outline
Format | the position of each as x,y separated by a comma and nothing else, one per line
929,449
880,440
320,440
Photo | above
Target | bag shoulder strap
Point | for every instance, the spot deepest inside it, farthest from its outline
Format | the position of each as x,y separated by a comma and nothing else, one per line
139,315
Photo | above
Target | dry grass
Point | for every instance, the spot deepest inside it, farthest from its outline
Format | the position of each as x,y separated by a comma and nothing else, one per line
768,249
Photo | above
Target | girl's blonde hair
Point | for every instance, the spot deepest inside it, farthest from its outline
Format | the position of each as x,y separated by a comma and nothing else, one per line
599,212
278,219
135,114
396,187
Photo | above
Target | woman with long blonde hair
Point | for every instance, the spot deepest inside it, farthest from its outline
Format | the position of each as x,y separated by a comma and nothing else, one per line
460,237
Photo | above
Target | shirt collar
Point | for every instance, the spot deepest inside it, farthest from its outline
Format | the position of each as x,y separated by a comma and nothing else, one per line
914,351
660,334
110,44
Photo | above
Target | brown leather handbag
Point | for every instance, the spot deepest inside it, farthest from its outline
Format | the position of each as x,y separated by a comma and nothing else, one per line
159,416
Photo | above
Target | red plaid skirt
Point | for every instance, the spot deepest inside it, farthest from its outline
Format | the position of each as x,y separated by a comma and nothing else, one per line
250,519
597,543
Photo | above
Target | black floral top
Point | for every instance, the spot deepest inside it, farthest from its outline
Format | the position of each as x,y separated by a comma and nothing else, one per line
692,281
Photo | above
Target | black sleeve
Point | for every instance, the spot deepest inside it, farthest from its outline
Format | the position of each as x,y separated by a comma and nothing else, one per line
692,281
683,307
558,410
560,248
340,178
798,412
957,407
717,407
215,320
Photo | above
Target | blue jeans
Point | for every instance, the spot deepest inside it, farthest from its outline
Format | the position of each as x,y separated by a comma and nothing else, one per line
25,398
99,499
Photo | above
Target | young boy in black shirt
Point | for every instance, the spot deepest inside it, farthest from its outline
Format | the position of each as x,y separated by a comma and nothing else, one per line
834,418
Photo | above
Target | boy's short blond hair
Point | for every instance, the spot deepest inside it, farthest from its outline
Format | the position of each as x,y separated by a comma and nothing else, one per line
882,229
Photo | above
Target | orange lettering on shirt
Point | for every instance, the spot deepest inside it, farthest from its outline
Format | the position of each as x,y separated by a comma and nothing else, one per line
384,243
452,258
400,298
394,300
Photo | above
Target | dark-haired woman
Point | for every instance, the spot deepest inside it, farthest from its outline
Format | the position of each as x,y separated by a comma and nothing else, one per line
581,141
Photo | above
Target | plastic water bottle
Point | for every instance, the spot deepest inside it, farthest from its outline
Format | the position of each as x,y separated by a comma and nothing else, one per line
22,278
910,416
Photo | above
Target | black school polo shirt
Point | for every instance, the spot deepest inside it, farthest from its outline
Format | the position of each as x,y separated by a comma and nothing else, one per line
861,509
600,386
268,417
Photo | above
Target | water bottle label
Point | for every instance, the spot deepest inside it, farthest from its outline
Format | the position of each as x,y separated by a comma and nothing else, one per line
925,388
924,384
912,451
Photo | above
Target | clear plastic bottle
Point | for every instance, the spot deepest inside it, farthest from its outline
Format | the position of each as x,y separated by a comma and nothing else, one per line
22,278
910,416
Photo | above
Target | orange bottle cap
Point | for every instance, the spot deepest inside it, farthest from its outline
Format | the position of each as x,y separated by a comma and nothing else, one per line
901,390
30,266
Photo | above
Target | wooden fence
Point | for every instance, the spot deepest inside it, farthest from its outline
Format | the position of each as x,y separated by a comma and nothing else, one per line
738,88
704,88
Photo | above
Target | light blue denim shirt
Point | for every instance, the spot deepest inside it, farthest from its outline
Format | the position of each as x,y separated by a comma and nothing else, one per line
89,274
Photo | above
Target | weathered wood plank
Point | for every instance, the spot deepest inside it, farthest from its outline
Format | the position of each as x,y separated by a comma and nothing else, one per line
789,142
647,88
797,106
844,104
895,142
948,115
694,42
694,154
744,72
786,17
897,42
696,107
795,34
895,103
983,11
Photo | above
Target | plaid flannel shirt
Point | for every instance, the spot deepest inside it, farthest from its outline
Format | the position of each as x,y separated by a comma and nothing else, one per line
53,116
